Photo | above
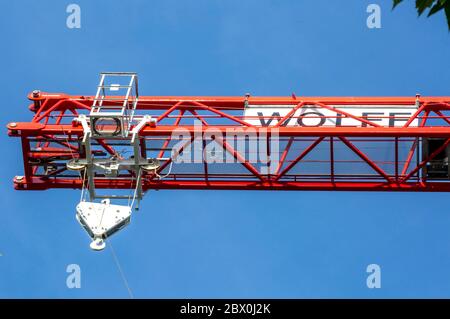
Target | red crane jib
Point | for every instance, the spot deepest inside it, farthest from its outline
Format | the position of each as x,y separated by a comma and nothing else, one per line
300,143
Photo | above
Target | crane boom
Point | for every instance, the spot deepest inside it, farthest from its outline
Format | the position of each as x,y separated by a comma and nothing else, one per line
376,149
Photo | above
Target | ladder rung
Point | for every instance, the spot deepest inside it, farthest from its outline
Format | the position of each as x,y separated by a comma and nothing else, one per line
114,196
119,73
110,99
114,86
117,107
100,114
107,108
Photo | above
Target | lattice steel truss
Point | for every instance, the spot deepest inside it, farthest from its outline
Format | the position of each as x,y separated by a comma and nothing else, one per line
368,157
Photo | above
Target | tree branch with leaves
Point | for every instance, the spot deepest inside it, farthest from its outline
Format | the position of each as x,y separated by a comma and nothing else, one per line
433,6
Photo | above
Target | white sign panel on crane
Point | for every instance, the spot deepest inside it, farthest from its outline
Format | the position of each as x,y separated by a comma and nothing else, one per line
317,116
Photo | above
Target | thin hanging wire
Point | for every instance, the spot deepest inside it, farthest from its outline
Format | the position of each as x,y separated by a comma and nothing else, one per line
83,186
131,191
83,177
122,274
168,173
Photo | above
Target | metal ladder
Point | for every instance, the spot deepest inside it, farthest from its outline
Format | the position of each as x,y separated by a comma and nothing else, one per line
117,97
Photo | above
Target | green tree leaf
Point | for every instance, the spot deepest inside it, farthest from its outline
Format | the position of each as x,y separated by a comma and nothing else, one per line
434,6
421,5
396,3
447,14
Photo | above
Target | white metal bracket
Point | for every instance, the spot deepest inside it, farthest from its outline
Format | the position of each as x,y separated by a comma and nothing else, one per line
86,129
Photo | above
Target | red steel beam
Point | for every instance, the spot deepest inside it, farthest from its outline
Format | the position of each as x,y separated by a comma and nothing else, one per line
37,129
238,185
238,102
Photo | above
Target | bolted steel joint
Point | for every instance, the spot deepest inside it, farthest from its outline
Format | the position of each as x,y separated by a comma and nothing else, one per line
19,179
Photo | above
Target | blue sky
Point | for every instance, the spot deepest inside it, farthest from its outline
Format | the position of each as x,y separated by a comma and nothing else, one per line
190,244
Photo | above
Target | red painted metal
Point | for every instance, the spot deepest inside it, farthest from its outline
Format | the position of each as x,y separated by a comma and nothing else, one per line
52,138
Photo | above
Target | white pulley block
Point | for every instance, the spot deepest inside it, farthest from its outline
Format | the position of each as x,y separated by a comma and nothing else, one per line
102,220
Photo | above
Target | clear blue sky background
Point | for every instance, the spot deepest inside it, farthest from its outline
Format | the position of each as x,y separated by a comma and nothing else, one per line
224,243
